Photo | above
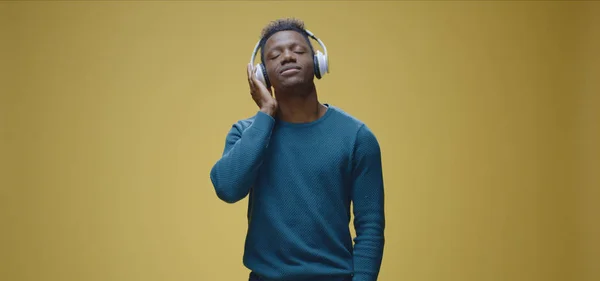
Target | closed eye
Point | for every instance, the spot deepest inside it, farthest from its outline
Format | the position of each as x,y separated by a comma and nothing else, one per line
299,50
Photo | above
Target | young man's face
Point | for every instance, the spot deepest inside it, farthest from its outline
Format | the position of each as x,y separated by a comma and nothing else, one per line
288,60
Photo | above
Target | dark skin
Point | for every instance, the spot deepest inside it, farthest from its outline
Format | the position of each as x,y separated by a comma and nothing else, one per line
290,68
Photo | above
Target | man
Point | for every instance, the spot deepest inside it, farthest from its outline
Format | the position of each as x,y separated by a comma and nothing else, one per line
302,163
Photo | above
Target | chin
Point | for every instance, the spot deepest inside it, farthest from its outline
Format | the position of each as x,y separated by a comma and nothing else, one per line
292,82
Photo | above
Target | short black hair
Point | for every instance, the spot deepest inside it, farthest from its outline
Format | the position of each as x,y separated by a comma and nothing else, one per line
282,24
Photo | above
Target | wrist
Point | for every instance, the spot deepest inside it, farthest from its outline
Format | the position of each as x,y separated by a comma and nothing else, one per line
269,109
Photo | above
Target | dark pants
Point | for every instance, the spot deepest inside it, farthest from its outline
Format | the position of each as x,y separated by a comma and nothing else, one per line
255,277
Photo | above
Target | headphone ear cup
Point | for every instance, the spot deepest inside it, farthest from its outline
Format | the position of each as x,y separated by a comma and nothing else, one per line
317,68
323,63
261,75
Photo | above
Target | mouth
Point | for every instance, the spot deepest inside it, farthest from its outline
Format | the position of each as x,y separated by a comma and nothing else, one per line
290,70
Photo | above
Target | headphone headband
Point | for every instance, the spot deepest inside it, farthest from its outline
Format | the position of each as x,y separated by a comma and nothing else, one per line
310,34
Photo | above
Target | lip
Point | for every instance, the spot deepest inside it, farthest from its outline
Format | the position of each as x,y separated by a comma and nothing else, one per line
290,69
290,72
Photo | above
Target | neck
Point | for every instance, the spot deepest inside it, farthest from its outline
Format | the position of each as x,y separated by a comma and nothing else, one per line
299,105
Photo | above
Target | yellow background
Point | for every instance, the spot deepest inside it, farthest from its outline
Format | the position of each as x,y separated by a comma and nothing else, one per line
112,115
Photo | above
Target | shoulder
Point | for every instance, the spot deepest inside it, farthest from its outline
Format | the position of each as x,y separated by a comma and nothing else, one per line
364,141
345,119
359,128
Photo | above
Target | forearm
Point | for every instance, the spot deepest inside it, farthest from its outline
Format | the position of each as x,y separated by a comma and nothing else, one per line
368,206
234,173
368,247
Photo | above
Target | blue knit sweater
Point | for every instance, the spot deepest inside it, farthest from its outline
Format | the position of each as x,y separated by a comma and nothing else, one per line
301,180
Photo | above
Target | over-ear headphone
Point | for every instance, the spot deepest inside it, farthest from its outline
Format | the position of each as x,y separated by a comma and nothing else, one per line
321,62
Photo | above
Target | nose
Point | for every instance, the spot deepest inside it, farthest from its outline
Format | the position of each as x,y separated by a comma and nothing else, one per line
288,56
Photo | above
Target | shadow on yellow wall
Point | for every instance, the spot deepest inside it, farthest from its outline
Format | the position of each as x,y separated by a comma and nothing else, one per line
113,114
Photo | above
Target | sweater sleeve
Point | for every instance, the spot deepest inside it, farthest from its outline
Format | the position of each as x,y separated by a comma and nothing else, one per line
368,206
234,173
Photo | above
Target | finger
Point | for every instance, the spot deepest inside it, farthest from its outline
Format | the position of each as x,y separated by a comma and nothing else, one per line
251,82
259,85
255,82
249,68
